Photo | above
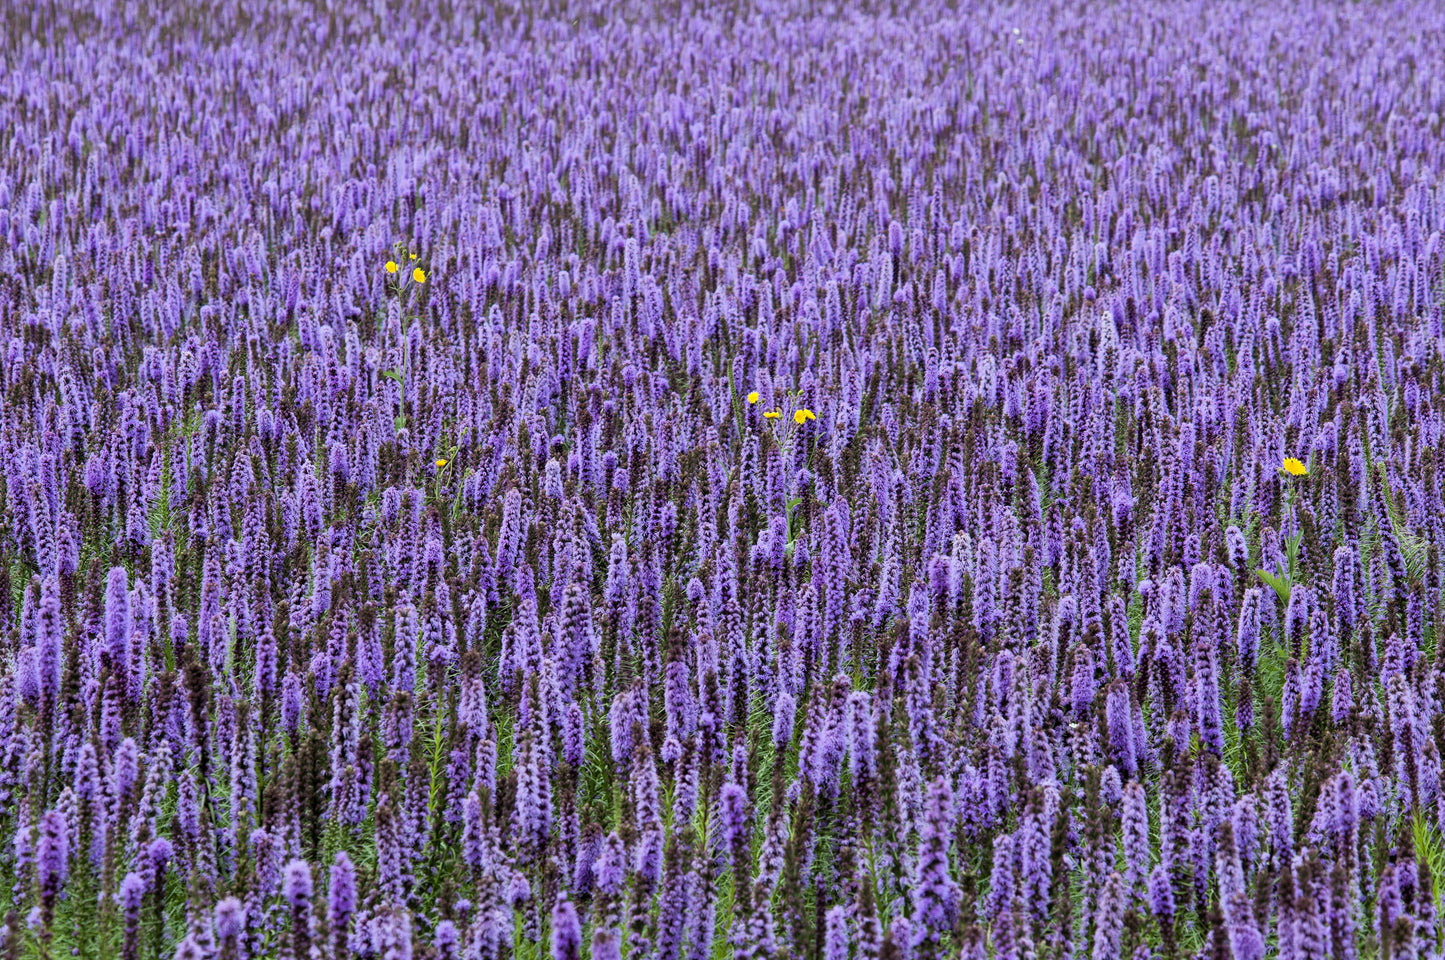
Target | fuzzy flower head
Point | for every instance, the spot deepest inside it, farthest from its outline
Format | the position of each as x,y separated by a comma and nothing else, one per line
341,892
753,397
297,884
391,266
54,851
419,275
1294,467
734,808
229,916
773,414
566,932
803,415
131,894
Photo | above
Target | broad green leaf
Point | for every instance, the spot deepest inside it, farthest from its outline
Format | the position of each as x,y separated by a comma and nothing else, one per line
1281,585
788,509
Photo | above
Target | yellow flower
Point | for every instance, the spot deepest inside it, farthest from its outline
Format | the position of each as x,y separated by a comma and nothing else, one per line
413,256
391,266
441,463
773,414
753,397
419,275
802,416
1294,468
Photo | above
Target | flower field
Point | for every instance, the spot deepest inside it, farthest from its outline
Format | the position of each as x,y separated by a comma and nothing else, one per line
746,480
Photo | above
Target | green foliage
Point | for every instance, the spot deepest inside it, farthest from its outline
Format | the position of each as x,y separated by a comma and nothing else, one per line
1430,850
1281,585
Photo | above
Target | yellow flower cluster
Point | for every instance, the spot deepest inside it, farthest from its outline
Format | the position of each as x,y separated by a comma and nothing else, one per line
418,275
1294,467
800,416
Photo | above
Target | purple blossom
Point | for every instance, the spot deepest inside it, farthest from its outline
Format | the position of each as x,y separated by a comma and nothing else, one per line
729,474
53,858
340,899
566,932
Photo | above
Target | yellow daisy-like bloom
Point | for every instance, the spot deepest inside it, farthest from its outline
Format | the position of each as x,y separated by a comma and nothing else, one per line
391,266
419,275
413,256
441,463
1294,467
773,414
801,417
753,397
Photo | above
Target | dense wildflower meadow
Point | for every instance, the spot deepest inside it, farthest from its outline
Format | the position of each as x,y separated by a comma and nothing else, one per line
753,480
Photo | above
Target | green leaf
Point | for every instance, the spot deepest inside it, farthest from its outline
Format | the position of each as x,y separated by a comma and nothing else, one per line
1281,585
400,423
1429,848
788,509
392,375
